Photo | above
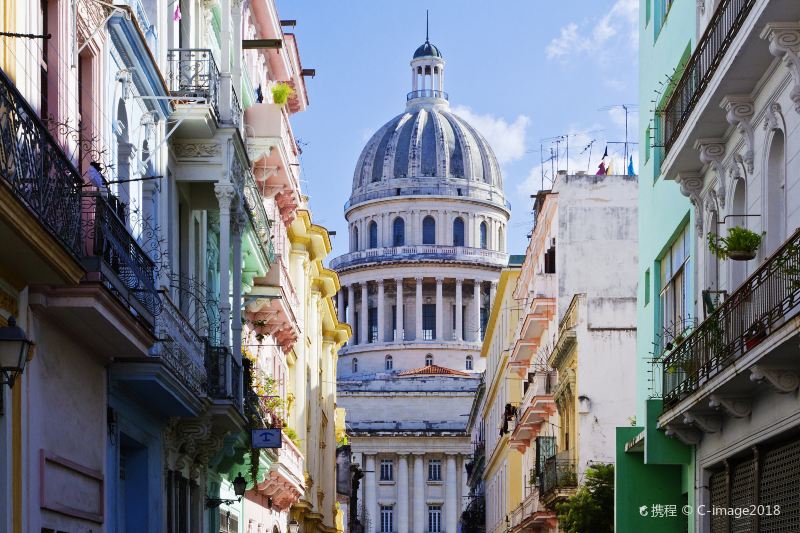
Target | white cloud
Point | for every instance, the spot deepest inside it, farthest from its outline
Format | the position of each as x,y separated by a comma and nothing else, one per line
621,20
507,139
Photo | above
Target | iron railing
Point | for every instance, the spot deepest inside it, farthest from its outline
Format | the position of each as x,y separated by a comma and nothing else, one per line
722,28
557,474
219,364
193,73
179,346
236,109
111,252
427,93
37,171
422,189
258,216
763,303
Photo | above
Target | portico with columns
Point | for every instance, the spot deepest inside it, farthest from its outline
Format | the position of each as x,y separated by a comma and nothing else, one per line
426,221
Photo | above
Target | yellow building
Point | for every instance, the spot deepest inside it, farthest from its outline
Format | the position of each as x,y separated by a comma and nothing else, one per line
312,373
503,471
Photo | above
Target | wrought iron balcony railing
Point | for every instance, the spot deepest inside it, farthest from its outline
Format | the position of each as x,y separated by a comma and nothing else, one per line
36,169
111,252
722,28
762,304
180,347
224,375
193,73
557,474
427,93
236,109
258,216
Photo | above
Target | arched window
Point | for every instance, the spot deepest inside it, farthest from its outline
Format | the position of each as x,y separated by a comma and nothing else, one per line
354,241
355,365
775,188
399,232
469,362
429,360
484,236
389,362
458,232
373,234
428,230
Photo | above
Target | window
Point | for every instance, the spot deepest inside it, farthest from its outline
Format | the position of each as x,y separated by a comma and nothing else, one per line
484,231
387,470
428,230
428,360
662,10
387,518
389,362
428,322
373,234
675,296
435,518
354,242
469,362
398,232
647,286
550,258
458,232
434,465
648,134
372,318
355,365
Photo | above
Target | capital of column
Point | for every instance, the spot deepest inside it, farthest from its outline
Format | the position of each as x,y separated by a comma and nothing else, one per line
459,282
225,193
439,280
379,282
418,279
398,281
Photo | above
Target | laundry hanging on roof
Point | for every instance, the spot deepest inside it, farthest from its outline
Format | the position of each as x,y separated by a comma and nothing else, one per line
630,167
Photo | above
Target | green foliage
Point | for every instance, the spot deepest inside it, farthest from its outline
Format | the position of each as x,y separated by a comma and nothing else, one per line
292,434
281,93
591,508
739,239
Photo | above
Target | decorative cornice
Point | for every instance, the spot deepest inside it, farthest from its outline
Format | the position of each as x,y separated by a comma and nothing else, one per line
782,380
739,111
199,150
773,117
712,152
784,42
691,184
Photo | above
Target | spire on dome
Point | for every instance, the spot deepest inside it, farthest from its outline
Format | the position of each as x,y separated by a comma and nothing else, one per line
427,40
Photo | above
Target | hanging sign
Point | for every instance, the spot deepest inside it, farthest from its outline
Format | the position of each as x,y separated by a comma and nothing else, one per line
266,438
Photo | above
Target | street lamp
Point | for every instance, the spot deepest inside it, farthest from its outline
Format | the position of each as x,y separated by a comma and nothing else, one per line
294,527
239,488
15,348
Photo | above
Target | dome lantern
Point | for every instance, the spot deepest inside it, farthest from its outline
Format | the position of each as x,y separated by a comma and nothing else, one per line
427,71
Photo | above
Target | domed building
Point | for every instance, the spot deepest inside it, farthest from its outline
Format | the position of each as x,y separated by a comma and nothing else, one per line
427,229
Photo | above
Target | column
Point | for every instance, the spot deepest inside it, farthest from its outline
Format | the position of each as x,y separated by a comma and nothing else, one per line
451,495
439,310
340,305
462,472
237,227
380,304
351,312
370,494
459,314
398,326
469,222
418,309
418,511
364,333
225,193
492,294
476,310
402,493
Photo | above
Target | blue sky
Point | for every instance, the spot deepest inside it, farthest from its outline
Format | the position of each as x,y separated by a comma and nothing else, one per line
522,73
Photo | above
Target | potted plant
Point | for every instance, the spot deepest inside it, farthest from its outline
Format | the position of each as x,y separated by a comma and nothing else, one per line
754,334
741,244
281,93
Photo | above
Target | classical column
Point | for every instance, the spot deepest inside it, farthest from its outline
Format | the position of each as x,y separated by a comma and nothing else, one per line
418,309
402,493
364,333
380,304
225,193
492,293
451,495
476,310
237,227
462,472
418,510
370,494
459,314
439,310
398,326
351,312
340,305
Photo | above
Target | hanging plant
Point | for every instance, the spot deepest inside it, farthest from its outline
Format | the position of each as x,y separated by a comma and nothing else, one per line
281,92
741,244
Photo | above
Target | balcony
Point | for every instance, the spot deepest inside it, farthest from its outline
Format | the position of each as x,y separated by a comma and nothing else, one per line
420,253
541,308
427,93
285,482
43,224
530,515
271,309
754,329
535,410
728,63
429,187
558,479
224,378
258,218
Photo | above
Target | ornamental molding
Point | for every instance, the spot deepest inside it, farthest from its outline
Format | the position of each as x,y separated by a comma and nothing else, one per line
687,435
739,111
225,193
706,423
691,184
773,118
782,380
701,6
197,150
784,43
712,152
735,407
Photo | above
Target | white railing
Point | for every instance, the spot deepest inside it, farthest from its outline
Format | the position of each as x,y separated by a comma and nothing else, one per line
544,286
290,457
417,252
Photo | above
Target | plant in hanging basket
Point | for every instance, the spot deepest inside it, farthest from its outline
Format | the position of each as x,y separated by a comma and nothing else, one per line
740,244
281,93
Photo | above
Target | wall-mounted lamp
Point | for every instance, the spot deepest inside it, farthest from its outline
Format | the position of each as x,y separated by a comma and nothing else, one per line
239,488
15,348
294,527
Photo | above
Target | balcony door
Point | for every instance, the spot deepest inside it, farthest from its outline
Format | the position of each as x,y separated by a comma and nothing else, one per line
428,322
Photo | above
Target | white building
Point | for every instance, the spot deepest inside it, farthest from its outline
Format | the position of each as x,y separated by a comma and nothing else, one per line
427,222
